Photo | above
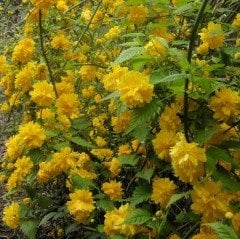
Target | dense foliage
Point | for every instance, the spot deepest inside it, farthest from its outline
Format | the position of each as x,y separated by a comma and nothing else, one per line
128,119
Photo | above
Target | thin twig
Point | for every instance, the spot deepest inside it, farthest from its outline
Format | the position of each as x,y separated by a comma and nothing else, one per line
189,58
44,53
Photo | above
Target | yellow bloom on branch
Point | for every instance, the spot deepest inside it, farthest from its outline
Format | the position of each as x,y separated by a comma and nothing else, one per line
114,222
113,189
213,35
135,89
11,215
68,104
225,104
32,135
42,93
188,161
236,21
24,50
163,189
209,200
81,202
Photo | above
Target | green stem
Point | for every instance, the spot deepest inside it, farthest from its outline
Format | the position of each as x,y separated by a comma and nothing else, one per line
88,25
189,58
44,54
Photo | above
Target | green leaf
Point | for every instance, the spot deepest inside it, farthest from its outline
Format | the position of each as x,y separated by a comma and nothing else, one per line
82,142
156,75
223,231
71,228
105,204
35,155
175,197
29,228
170,78
47,217
138,217
61,145
140,61
129,159
82,183
128,54
113,95
45,202
51,133
146,174
24,211
144,114
80,124
204,135
141,194
141,133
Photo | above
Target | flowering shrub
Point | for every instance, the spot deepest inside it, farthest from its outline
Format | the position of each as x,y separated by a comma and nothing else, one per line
129,117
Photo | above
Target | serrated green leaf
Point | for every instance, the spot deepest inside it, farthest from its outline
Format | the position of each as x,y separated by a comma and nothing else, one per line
144,114
35,155
29,228
138,217
223,231
105,204
175,197
80,124
113,95
128,54
141,194
47,217
51,133
61,145
81,183
204,135
129,159
82,142
170,78
141,133
145,174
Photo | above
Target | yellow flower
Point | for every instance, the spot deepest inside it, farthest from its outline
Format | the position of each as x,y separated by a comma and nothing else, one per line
156,48
60,41
24,165
113,189
111,80
225,104
213,35
163,189
81,202
203,49
45,4
114,167
101,142
42,93
209,200
163,142
14,147
88,72
138,14
64,87
114,222
32,135
121,123
236,222
236,21
188,161
60,162
25,77
113,33
11,215
62,6
135,89
3,64
68,104
169,120
24,50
